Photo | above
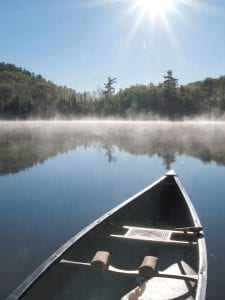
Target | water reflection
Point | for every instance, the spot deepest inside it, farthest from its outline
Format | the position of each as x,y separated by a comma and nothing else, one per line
24,144
42,208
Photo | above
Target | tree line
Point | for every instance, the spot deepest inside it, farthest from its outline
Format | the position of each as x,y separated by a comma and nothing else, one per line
26,95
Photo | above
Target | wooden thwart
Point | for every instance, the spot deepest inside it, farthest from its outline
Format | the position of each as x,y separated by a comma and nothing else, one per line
190,229
100,262
147,269
148,266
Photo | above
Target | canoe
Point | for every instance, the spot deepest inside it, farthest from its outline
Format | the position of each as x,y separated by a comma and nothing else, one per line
151,246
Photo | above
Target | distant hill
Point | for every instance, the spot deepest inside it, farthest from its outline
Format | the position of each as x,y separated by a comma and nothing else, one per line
26,95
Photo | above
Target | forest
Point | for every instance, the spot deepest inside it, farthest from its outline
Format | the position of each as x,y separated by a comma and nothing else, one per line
25,95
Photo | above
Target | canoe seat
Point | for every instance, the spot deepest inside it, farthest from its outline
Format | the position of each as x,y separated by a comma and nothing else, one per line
158,235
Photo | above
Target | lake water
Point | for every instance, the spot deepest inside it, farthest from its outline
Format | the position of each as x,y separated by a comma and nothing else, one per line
57,177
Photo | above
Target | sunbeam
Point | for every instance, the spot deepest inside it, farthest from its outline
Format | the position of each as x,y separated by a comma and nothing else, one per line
158,13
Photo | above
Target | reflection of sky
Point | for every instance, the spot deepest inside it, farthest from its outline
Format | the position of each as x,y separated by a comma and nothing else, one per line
43,206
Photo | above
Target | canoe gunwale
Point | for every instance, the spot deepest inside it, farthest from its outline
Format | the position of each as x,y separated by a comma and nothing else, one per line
56,256
202,253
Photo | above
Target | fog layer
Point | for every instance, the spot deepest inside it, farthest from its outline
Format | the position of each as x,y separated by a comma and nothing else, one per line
24,144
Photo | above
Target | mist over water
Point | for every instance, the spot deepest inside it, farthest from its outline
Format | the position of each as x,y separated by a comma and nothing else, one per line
58,176
24,144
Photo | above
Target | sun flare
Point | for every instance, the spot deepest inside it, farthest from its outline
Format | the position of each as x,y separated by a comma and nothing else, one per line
154,7
155,16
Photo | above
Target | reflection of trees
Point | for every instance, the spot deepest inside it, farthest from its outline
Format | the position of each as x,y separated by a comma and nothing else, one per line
109,153
23,145
168,159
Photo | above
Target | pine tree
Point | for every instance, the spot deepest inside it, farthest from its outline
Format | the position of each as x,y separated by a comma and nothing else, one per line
170,84
109,88
171,105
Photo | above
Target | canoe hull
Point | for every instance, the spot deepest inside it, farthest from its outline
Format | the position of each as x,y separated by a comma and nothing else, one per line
164,205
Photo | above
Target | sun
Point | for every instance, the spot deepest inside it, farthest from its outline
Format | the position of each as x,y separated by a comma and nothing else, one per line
154,7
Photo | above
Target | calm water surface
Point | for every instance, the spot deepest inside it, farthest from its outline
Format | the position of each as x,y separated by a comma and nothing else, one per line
57,177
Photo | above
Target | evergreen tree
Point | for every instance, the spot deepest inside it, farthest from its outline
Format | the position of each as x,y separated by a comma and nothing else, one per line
170,84
109,88
109,107
170,103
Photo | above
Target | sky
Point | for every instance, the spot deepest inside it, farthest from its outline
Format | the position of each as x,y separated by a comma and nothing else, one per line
79,43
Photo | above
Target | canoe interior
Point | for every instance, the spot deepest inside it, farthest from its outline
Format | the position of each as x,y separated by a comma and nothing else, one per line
162,206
